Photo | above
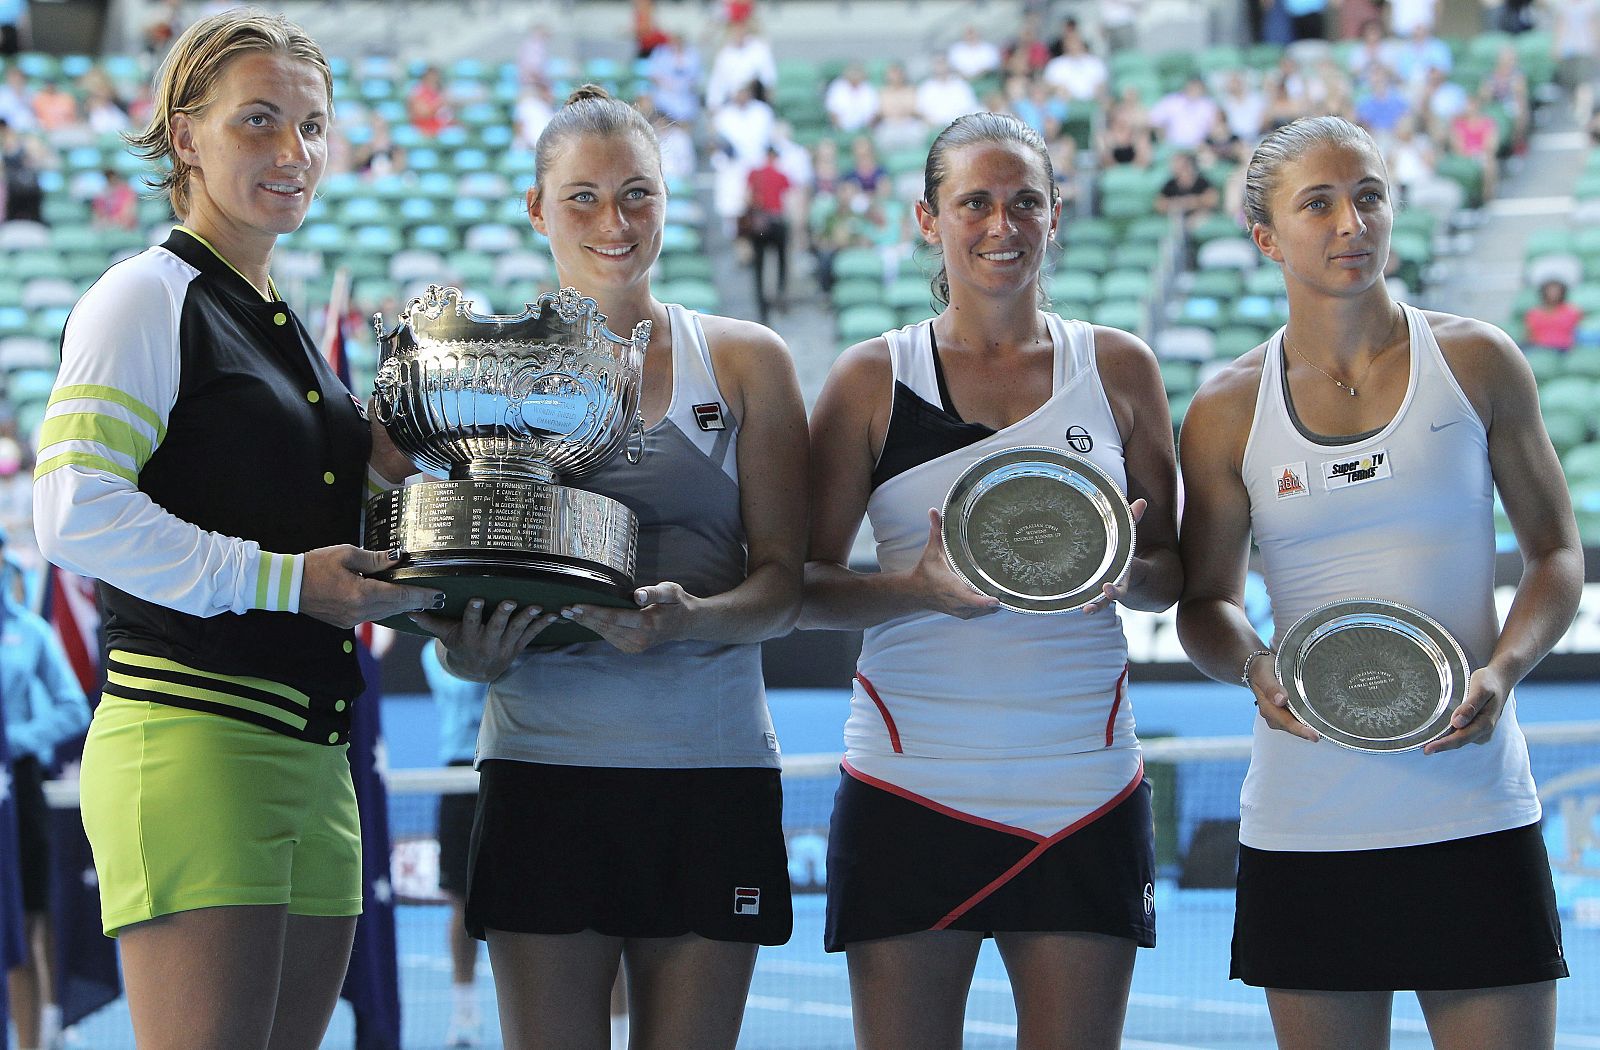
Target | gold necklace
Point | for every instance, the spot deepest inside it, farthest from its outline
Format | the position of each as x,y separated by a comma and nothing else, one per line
1341,384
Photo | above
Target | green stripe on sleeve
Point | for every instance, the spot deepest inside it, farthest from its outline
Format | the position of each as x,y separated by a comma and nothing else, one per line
156,685
85,459
265,685
114,396
263,579
118,435
280,597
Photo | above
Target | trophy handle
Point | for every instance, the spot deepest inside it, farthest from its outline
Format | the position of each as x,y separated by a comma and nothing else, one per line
635,447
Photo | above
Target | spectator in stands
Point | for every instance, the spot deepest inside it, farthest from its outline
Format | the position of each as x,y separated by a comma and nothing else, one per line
533,55
1183,117
163,28
1187,194
865,170
44,708
1223,145
679,158
1373,378
1286,21
1475,135
1036,105
1077,72
765,225
1507,87
1418,55
216,792
379,155
1282,106
1244,107
1356,15
1411,159
944,94
1575,39
852,99
102,110
900,125
675,70
459,704
116,206
54,109
1552,323
21,159
1124,140
744,61
535,106
962,807
16,99
11,15
1438,104
427,108
973,55
1375,50
832,226
1027,54
649,853
1407,16
1383,106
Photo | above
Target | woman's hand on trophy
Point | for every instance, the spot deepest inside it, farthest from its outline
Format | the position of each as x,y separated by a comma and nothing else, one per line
334,587
664,614
1272,703
939,588
387,459
480,648
1118,590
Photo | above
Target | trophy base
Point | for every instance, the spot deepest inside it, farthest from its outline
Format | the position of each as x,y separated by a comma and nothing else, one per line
507,540
551,589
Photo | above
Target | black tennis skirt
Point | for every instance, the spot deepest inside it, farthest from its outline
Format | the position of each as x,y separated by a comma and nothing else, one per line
629,852
1477,912
896,866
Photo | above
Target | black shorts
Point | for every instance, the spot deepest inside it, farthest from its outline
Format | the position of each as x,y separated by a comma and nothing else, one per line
1477,912
896,866
630,852
456,813
33,832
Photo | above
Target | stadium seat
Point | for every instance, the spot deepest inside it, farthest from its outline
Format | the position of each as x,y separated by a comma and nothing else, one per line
1179,343
864,321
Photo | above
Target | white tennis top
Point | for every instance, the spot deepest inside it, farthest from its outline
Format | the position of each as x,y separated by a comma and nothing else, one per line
1404,514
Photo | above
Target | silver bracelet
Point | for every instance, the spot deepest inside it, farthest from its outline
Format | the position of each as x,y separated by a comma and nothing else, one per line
1244,675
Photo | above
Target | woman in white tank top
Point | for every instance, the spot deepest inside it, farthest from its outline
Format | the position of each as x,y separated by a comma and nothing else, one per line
1447,406
968,782
630,812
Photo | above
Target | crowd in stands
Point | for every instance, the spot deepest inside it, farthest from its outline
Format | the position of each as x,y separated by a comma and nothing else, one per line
811,167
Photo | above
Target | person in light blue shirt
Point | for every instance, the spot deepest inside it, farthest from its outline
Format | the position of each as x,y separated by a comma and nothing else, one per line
460,709
11,12
43,706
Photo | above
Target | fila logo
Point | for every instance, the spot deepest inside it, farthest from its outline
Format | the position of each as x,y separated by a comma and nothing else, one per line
1079,439
709,416
746,900
1291,480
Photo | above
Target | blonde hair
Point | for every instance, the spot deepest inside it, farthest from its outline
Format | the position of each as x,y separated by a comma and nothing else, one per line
188,78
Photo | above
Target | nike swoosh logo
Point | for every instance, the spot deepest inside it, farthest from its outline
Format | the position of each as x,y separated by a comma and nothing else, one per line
1436,427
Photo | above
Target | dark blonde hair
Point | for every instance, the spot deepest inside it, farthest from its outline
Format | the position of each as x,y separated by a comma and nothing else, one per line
966,131
589,110
188,78
1290,143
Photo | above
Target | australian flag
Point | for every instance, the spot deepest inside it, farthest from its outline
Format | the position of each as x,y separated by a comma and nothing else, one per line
13,942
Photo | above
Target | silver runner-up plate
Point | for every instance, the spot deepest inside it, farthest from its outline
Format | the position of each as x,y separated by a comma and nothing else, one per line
1372,675
1039,528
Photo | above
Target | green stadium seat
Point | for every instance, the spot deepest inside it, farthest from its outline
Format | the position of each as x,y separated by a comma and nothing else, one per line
1546,364
1074,285
1581,464
856,291
1568,428
858,262
1218,284
1583,361
1126,314
1137,255
1127,284
1179,377
865,321
1083,231
909,293
1087,257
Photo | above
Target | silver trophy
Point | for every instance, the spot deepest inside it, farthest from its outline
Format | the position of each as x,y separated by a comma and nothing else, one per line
510,407
1372,675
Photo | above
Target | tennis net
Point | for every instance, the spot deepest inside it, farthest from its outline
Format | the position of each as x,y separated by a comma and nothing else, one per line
1181,997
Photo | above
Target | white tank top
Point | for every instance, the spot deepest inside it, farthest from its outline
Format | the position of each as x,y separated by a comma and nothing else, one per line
1010,718
1412,523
